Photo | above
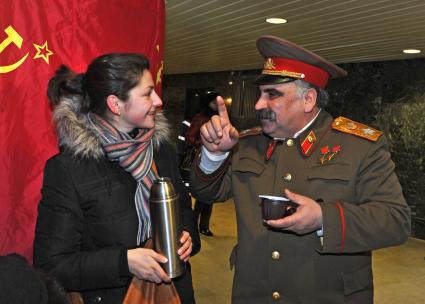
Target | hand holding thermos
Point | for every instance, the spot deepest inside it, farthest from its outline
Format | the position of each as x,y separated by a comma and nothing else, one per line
171,245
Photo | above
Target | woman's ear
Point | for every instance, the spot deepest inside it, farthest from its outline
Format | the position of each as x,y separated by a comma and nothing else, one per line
310,100
113,104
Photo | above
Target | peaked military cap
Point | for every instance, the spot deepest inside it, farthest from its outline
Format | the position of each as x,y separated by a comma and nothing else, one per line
286,61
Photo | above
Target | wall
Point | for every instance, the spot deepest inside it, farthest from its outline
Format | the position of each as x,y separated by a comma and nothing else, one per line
386,95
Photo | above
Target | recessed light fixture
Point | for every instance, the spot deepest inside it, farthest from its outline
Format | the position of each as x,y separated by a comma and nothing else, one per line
411,51
276,20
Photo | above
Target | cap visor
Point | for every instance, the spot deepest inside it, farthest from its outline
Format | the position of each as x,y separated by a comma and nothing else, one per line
272,79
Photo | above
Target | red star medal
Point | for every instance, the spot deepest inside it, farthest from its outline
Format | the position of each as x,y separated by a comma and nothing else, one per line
336,149
324,150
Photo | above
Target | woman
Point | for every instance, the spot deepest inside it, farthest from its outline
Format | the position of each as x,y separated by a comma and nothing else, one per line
93,219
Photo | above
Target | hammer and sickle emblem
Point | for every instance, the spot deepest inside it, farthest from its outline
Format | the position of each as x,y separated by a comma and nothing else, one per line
12,38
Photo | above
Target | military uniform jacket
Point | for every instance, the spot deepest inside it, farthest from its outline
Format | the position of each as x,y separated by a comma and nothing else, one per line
362,204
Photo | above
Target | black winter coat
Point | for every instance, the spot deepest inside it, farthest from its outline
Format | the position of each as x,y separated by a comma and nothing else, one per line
87,220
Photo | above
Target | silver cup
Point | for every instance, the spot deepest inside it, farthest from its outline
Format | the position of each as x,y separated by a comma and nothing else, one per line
166,224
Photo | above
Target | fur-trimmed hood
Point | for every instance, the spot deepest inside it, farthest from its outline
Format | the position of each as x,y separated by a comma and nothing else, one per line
76,135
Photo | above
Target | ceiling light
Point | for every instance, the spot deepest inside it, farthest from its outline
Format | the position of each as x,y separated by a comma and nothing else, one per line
276,20
411,51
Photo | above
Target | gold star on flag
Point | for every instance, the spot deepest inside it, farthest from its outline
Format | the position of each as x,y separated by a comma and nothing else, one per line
43,52
159,73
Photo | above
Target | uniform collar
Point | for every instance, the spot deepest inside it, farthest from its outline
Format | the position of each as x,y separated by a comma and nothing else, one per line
311,136
300,131
307,125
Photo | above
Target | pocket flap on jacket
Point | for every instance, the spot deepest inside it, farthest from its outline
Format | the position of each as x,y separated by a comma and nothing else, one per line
248,165
339,171
356,281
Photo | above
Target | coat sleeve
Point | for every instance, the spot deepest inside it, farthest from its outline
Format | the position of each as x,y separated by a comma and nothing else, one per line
214,187
378,218
58,237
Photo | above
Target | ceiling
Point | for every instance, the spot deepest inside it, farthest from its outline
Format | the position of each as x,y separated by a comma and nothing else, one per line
218,35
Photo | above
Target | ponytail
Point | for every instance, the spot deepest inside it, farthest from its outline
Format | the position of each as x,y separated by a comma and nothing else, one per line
65,83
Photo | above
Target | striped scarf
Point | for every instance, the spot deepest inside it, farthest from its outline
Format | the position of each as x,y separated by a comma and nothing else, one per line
135,155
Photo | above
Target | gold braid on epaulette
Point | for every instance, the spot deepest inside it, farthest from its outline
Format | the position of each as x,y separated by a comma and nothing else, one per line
250,132
355,128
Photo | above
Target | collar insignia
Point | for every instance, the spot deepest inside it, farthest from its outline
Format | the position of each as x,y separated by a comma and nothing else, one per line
308,143
270,149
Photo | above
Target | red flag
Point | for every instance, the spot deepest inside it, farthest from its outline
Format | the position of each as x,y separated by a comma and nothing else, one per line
35,38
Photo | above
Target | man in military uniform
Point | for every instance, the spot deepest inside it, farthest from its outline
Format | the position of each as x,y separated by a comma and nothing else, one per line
337,171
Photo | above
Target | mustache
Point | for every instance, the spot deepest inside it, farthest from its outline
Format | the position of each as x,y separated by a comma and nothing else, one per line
265,114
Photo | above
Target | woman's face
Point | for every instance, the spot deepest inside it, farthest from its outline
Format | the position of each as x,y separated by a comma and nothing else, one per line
139,109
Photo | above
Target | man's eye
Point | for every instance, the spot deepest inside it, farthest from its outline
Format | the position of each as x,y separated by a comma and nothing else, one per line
273,95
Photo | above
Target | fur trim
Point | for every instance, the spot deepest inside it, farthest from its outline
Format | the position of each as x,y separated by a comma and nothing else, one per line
76,135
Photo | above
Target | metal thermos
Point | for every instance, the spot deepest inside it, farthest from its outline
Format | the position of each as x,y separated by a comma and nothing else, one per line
166,224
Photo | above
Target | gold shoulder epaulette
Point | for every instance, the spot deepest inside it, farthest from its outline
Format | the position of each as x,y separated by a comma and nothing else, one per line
352,127
250,132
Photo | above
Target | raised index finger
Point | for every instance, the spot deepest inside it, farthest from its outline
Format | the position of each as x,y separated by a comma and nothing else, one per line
222,110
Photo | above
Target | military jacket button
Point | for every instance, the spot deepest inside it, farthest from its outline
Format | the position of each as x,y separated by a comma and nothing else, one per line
275,255
290,142
276,296
287,177
97,299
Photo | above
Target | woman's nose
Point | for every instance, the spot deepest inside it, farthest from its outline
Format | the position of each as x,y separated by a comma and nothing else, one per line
157,102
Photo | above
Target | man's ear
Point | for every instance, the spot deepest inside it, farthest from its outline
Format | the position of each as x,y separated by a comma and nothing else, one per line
310,100
113,104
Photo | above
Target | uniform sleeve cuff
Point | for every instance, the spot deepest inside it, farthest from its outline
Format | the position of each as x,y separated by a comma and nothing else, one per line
211,162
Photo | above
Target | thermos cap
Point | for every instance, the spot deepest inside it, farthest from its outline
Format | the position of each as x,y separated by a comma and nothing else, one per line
162,189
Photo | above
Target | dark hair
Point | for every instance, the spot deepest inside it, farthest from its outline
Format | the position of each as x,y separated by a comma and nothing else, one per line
207,98
205,103
55,291
21,283
110,74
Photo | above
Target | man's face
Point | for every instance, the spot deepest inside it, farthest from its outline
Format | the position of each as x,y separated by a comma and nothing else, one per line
288,108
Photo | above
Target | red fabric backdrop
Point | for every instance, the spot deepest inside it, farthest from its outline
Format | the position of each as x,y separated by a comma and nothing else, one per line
35,38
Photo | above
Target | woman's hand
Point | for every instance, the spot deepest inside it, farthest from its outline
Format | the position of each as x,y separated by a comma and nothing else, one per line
186,249
143,263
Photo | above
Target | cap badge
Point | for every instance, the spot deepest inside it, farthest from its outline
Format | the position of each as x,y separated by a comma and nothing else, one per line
271,67
269,64
328,154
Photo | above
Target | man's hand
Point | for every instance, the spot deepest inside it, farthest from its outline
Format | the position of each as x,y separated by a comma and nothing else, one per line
218,135
307,218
